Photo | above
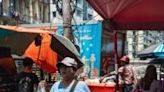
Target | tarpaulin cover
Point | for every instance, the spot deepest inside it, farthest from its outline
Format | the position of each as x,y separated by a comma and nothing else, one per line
18,38
131,14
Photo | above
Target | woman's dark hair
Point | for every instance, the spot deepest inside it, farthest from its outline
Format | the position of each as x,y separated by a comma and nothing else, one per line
150,75
27,62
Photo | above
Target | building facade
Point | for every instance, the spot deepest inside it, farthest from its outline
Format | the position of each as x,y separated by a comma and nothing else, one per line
83,12
139,40
24,11
40,11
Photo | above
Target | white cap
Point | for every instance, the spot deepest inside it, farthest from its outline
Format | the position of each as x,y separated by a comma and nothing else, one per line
68,61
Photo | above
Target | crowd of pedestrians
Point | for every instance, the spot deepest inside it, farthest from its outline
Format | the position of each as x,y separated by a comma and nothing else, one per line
128,81
27,81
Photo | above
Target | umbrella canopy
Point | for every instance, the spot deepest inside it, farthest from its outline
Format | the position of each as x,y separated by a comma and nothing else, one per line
156,50
53,48
159,51
43,55
65,48
17,38
131,14
157,61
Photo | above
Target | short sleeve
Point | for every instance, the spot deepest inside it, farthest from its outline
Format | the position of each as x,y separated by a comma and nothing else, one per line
86,87
54,87
82,87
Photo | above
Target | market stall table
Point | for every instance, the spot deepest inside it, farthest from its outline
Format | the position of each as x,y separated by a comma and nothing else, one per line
101,87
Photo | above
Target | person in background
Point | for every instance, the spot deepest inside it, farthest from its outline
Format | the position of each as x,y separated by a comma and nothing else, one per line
26,80
127,75
123,70
7,71
42,86
149,82
67,68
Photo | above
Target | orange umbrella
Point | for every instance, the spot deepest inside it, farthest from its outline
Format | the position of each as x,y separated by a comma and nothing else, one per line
43,55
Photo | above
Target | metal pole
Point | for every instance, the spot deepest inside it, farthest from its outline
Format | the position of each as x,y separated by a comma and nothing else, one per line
116,61
38,42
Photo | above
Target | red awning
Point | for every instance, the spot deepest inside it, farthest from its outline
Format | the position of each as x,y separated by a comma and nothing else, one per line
131,14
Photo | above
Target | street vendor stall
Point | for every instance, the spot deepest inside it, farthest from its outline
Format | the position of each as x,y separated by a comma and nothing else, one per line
96,86
102,88
130,15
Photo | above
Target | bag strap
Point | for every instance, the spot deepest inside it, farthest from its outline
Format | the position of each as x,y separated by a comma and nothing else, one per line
74,85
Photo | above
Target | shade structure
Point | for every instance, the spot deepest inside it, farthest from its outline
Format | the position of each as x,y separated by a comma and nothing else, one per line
43,55
157,61
17,38
156,50
53,49
65,48
159,51
131,14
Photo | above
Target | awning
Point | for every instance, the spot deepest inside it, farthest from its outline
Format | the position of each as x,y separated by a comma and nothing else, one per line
131,14
156,50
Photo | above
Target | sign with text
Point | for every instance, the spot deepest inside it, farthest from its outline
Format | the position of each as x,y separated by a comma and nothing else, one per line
88,38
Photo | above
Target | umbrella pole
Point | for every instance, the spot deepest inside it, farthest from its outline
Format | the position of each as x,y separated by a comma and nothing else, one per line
116,61
41,71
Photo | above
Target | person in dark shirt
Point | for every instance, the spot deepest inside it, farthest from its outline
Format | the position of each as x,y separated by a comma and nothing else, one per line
26,80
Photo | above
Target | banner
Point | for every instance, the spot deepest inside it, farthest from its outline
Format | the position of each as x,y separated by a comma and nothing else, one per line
88,38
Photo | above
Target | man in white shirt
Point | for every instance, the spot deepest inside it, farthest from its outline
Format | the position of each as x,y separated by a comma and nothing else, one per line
67,68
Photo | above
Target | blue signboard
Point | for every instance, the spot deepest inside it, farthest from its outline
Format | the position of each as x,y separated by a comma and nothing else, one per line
88,38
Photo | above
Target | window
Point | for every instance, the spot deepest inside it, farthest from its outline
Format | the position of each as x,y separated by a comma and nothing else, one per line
1,8
45,1
54,13
89,16
54,1
79,2
78,12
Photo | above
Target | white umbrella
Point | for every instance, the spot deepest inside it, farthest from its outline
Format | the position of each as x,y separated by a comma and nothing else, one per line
65,48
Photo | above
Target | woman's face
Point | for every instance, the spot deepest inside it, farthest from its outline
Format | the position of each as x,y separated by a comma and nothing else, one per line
66,72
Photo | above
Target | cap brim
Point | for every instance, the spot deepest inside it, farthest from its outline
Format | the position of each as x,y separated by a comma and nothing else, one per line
60,64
